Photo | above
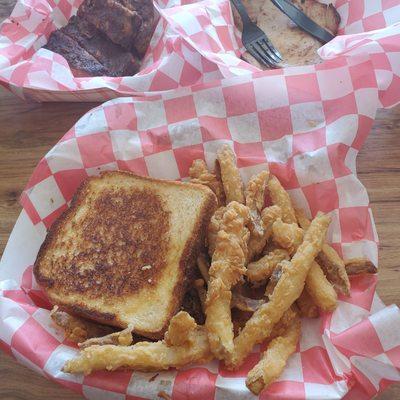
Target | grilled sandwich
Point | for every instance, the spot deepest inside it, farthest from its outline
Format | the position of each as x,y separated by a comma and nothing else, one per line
124,252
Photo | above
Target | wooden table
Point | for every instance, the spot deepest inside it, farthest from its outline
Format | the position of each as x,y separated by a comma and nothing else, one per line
28,131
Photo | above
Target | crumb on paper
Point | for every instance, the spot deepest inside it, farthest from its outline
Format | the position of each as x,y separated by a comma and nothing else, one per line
164,395
153,377
312,123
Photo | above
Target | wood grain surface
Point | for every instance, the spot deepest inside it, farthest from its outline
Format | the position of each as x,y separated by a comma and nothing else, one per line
29,130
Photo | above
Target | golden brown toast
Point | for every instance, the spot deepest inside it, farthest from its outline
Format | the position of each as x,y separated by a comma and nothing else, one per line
125,251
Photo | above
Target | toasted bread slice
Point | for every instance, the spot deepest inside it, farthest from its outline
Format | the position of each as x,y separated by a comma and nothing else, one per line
125,250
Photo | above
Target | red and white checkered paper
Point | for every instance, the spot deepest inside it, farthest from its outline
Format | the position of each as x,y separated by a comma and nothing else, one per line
308,128
194,42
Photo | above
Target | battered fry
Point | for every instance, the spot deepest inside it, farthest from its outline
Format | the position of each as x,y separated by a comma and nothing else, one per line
286,292
268,216
288,236
317,285
306,306
77,329
329,260
357,266
274,359
225,167
179,328
121,338
147,356
255,192
281,198
240,318
287,319
227,267
302,219
276,275
320,290
256,246
334,269
259,271
257,243
243,303
213,229
199,173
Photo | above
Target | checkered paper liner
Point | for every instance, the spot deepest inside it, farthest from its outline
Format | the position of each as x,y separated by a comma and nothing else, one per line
308,128
194,42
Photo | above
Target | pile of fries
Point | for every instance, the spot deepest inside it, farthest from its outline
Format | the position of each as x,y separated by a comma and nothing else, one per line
266,268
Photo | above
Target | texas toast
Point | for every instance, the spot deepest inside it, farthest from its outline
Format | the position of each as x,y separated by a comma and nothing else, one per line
125,251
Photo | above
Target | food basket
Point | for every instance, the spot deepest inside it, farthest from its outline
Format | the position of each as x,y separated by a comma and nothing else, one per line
194,42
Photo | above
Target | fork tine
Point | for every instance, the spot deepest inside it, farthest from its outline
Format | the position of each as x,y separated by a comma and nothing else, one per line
256,41
274,50
268,52
264,54
258,56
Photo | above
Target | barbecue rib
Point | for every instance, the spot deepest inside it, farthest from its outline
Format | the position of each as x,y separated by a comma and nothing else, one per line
107,37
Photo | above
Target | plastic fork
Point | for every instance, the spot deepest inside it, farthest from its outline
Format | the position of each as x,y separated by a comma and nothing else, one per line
256,41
